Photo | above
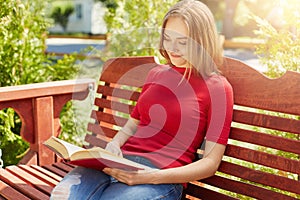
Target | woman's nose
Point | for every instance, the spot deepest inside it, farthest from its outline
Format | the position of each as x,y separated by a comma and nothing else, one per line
175,46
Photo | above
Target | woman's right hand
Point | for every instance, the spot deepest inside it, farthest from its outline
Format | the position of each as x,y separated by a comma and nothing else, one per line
114,148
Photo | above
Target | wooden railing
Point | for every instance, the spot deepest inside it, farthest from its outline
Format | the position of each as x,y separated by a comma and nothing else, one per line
39,106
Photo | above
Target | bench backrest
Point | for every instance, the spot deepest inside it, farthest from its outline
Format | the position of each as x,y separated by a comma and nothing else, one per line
262,157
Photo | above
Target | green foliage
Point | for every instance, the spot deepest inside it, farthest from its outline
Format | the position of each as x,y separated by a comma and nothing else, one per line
11,144
281,48
23,30
110,4
134,27
73,127
61,15
22,34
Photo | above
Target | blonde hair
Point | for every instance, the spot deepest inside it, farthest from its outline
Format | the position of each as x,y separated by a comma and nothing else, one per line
205,53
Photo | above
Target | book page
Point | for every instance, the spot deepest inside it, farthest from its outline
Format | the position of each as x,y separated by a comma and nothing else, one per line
62,148
71,148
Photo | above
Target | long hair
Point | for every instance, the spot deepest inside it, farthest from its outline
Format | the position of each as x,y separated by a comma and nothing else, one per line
204,53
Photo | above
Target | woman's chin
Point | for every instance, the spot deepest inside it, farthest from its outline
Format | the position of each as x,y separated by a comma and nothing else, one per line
178,62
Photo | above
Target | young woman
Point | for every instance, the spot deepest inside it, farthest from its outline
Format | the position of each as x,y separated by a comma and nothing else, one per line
181,104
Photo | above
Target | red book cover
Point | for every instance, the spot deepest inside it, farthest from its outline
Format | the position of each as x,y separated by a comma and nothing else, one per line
101,163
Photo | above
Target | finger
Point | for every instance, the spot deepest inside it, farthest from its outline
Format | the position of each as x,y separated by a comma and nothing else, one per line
107,170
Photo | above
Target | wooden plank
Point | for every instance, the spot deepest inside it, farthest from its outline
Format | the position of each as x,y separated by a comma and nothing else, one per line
44,127
101,130
41,176
127,70
21,185
107,116
114,105
47,172
10,93
63,166
245,189
7,192
117,92
253,89
266,140
110,118
267,179
204,193
95,140
55,170
30,179
267,121
262,158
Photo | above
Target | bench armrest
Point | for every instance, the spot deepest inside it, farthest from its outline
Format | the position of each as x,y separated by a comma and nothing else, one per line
13,93
39,106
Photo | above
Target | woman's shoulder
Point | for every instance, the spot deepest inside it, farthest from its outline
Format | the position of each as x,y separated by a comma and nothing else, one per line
218,81
158,69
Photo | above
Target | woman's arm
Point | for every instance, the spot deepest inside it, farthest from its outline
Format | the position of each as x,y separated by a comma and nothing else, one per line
122,136
200,169
203,168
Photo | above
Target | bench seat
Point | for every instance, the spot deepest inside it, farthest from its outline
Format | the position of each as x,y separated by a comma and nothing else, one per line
261,160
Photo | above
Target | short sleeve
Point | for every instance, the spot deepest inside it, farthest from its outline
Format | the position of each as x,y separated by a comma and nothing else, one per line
149,79
220,110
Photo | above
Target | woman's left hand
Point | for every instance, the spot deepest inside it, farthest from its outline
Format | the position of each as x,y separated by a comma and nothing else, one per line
132,177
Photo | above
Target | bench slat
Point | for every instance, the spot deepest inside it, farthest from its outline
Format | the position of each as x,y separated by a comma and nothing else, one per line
110,118
38,175
266,140
97,140
63,166
267,121
283,183
30,179
201,192
244,188
22,186
7,192
117,92
115,105
262,158
55,170
101,130
46,172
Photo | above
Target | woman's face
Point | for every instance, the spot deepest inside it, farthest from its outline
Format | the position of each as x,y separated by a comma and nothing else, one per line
175,41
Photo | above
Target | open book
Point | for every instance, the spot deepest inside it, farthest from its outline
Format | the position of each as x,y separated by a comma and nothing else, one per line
96,158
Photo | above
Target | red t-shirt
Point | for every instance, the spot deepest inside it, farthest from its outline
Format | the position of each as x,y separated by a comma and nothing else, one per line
177,113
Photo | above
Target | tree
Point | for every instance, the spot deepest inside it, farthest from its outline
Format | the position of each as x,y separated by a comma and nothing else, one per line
280,50
23,30
134,27
61,15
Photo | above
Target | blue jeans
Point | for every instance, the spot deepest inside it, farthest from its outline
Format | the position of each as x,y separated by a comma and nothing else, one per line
83,183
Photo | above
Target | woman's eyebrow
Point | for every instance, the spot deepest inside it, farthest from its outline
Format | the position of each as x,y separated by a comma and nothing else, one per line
182,38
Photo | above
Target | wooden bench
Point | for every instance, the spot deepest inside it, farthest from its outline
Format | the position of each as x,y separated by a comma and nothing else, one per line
261,160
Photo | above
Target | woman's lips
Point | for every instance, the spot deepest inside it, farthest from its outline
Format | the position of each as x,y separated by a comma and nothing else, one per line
175,55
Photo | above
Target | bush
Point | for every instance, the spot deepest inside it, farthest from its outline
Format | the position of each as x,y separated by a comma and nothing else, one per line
281,48
23,30
134,27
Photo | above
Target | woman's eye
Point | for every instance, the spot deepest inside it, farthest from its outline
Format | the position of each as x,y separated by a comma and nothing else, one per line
166,39
182,42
